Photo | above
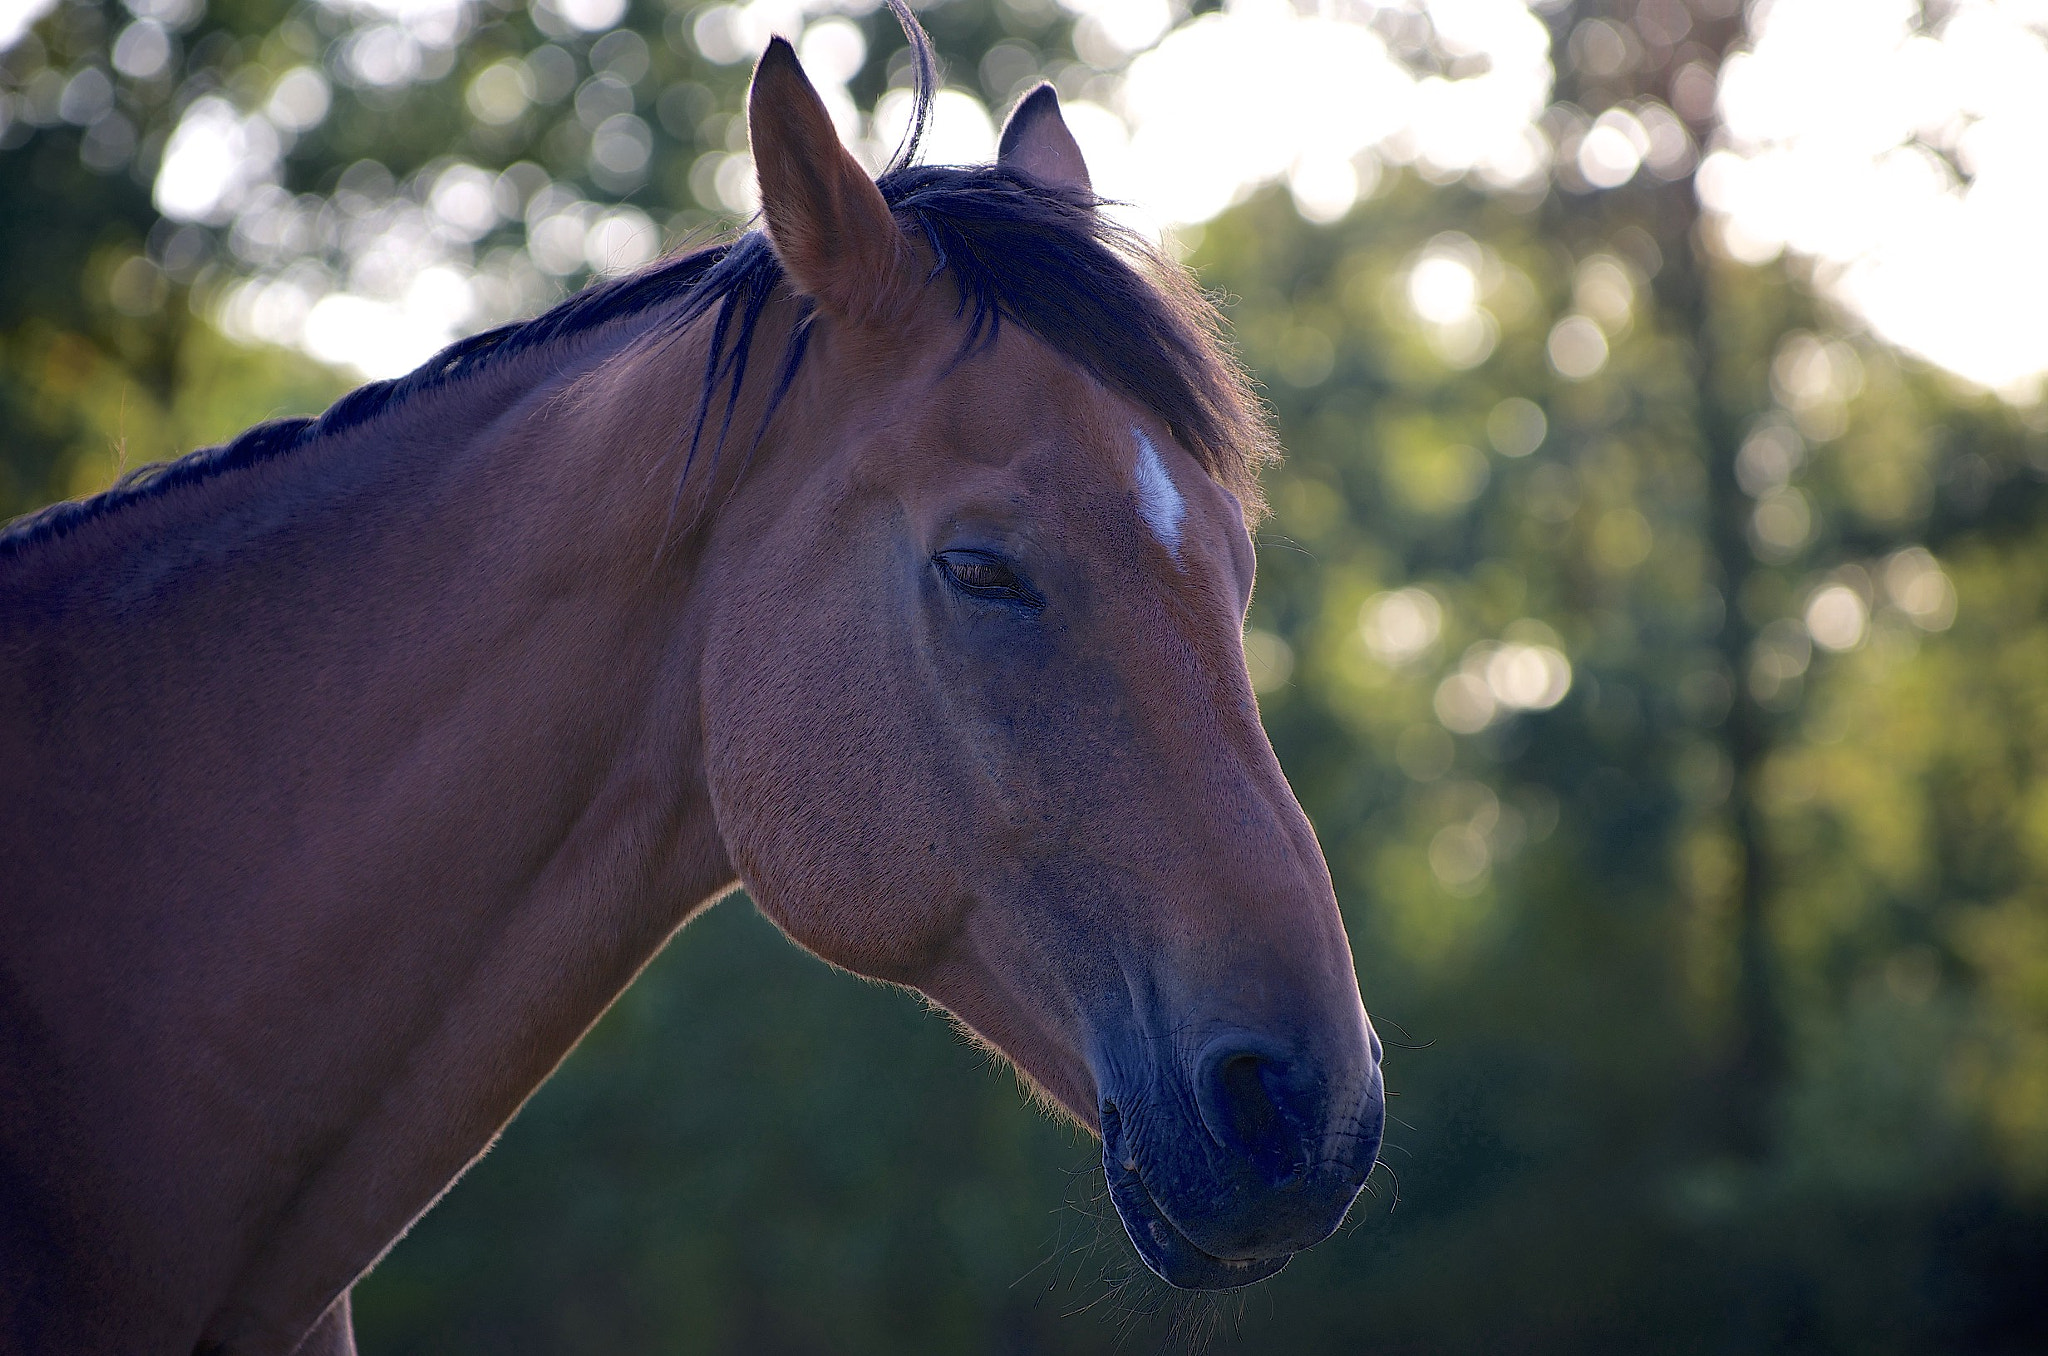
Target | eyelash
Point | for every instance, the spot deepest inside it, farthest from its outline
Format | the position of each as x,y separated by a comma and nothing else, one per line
981,575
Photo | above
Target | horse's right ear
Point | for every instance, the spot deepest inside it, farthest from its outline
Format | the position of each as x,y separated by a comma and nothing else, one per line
830,227
1036,140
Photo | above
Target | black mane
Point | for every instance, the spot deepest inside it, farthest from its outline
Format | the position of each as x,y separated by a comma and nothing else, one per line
1017,251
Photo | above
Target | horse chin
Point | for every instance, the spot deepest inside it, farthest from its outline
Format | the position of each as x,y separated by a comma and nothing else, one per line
1164,1249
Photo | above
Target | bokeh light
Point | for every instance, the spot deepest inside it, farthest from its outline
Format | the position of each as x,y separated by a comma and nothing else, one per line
1910,166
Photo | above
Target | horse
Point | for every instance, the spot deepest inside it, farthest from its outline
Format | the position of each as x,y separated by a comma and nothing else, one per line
352,768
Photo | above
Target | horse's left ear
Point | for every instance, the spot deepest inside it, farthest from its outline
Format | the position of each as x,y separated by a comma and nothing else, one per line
829,224
1036,140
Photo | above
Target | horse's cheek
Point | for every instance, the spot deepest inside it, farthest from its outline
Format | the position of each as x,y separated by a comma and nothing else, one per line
807,763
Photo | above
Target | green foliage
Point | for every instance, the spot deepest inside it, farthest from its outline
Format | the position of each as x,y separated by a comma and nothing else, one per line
101,418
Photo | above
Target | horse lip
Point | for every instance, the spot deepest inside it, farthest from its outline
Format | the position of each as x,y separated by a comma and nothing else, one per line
1166,1252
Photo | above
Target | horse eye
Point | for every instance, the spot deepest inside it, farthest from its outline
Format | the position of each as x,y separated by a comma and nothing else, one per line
985,576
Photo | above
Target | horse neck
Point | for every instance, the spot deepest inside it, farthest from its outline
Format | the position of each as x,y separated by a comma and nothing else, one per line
490,585
358,793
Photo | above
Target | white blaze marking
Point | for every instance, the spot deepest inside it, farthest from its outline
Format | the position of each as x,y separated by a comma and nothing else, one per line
1159,503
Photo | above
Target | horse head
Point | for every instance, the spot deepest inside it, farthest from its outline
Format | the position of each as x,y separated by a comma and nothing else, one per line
976,707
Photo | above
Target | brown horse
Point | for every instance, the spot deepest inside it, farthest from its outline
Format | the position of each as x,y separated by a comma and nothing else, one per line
349,771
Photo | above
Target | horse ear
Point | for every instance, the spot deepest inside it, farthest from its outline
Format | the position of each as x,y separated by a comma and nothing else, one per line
827,221
1036,140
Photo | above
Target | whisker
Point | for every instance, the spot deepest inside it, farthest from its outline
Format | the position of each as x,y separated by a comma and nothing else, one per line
1407,1042
1283,543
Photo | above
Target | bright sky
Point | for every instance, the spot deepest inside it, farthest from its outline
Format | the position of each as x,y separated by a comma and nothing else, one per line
1844,136
17,15
1846,132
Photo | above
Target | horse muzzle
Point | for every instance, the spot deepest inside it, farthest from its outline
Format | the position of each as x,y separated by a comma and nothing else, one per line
1223,1173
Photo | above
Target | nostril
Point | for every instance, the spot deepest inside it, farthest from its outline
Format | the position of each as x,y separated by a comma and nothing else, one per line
1253,1119
1243,1110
